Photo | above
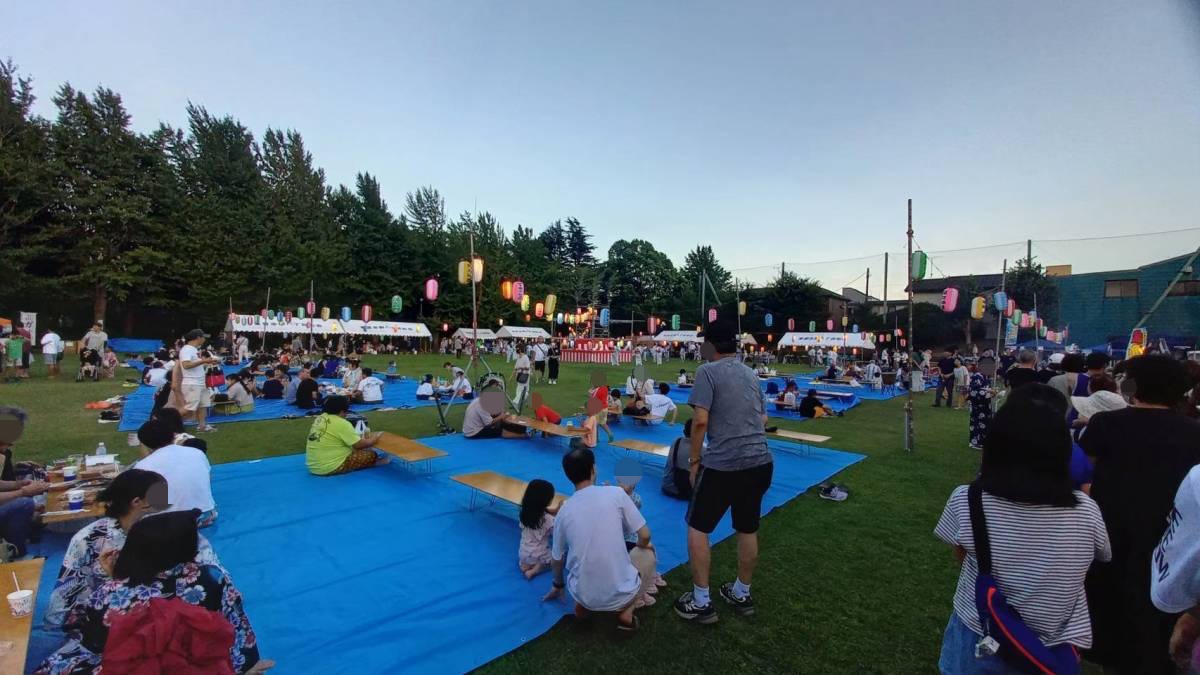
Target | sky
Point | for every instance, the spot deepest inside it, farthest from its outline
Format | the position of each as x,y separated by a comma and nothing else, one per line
773,131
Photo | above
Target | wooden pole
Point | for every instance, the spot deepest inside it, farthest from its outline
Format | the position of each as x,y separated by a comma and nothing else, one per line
909,443
1000,319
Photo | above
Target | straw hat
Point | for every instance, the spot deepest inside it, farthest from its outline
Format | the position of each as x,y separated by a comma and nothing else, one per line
1098,402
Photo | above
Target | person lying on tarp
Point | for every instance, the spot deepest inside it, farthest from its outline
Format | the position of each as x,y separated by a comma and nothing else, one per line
811,406
334,446
485,417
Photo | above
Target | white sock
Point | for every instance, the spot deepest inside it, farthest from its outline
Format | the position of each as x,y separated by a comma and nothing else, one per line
740,590
700,594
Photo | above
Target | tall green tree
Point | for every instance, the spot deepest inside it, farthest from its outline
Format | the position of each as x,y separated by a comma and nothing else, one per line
379,246
579,247
702,259
638,278
1027,282
554,238
788,296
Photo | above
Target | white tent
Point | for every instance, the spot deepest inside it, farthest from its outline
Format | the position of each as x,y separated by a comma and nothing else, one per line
255,323
679,336
839,340
748,339
386,328
522,332
468,333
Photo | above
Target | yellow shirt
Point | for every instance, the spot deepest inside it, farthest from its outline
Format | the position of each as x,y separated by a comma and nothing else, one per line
330,442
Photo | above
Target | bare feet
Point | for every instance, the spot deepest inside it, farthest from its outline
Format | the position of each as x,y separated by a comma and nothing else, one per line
533,570
262,666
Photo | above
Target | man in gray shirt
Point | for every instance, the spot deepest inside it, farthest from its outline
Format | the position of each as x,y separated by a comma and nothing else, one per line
732,473
95,338
485,417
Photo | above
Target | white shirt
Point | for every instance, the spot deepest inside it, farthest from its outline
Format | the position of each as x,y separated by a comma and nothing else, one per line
187,472
660,405
50,343
425,389
372,389
682,379
192,375
1175,567
157,377
539,352
630,386
590,531
522,363
789,398
461,385
648,388
352,377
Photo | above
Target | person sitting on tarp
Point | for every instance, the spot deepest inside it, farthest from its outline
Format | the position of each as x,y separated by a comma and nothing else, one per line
308,391
425,389
811,406
831,373
788,397
461,387
330,366
369,389
352,375
543,412
485,417
334,446
275,387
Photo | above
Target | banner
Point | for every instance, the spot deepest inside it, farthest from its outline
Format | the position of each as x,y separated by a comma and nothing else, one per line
29,321
1010,333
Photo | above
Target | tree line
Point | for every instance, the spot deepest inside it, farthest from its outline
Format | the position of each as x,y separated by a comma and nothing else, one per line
157,232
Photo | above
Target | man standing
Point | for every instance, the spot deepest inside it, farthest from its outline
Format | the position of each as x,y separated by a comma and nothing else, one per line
95,338
732,473
1022,372
190,390
51,348
946,383
539,360
589,542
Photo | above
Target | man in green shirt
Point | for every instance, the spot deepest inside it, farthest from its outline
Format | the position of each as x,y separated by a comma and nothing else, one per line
334,446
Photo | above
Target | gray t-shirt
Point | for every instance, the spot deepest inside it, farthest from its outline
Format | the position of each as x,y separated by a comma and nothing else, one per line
476,418
729,391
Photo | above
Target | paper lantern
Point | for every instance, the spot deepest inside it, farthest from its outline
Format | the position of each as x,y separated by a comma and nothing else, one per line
1024,321
311,308
397,304
651,323
524,303
324,313
741,308
712,314
854,328
518,290
949,299
899,332
560,318
287,316
1016,317
920,263
431,289
551,303
300,312
812,326
604,316
791,324
977,307
903,342
1012,307
501,321
769,338
828,324
526,317
539,310
506,287
345,314
464,272
1041,330
1000,301
445,328
477,269
768,320
367,311
674,322
262,313
268,314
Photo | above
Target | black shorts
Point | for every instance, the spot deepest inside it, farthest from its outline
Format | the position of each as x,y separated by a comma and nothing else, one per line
539,366
719,491
497,431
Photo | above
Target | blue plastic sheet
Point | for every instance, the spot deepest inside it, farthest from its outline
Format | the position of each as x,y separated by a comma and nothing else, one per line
135,345
387,570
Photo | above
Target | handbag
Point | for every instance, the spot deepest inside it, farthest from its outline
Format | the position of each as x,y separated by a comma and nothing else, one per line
1012,640
214,377
522,377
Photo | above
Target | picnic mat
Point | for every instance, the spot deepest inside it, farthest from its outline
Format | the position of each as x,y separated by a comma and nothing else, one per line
680,396
396,394
386,570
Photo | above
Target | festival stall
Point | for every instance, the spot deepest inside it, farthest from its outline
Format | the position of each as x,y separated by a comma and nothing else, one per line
256,323
839,340
396,329
467,333
522,333
596,350
672,336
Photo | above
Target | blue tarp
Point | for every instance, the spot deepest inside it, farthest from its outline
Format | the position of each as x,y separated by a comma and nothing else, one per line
135,345
388,571
396,394
840,403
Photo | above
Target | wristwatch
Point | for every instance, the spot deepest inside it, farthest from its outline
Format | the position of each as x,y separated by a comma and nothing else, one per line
693,460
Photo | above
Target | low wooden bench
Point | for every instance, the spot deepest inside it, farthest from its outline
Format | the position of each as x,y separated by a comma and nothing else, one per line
645,418
498,486
800,436
407,450
642,447
547,427
15,631
226,408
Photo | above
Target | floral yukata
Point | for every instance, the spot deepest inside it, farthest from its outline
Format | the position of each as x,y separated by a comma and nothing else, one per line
979,398
203,585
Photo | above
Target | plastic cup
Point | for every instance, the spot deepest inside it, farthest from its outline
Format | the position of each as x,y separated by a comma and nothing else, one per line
70,472
20,603
75,500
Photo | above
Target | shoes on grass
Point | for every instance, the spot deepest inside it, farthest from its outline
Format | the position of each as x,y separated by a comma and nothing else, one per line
687,609
744,606
833,492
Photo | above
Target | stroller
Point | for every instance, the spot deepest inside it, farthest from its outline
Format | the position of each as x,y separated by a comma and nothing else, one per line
89,366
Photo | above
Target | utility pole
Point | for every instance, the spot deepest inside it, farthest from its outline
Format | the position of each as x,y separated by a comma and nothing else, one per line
909,444
1029,253
885,284
1000,319
867,294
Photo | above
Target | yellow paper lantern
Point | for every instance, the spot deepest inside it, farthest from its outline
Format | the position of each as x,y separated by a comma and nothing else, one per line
464,272
477,269
551,303
524,303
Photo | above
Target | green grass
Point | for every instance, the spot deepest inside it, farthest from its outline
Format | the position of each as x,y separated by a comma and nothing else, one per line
858,586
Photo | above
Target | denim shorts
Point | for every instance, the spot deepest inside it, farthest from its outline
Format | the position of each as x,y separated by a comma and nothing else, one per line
958,652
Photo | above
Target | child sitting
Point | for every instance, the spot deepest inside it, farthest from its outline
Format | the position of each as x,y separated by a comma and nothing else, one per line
682,380
425,389
677,479
391,369
537,522
543,412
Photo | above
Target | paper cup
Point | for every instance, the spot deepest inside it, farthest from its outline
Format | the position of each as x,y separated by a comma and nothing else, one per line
70,472
20,603
75,500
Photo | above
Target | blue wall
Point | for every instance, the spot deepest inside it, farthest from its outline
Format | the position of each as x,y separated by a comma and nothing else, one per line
1093,318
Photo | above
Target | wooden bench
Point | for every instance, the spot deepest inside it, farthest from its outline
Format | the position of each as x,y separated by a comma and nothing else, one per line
548,428
645,418
14,632
803,438
226,408
407,450
642,446
498,486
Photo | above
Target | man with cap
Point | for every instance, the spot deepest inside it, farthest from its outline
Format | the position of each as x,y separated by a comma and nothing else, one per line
191,395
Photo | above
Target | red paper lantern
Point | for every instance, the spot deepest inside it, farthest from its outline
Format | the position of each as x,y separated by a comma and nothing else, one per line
262,313
791,324
1012,307
539,309
311,308
366,313
712,314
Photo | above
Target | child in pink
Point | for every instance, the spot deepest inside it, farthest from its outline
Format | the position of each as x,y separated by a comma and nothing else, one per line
537,522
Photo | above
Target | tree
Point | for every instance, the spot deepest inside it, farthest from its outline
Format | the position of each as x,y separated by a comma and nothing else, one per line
554,238
638,278
426,209
579,245
379,245
1027,283
702,259
791,296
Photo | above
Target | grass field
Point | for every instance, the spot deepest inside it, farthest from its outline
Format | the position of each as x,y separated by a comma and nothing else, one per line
858,586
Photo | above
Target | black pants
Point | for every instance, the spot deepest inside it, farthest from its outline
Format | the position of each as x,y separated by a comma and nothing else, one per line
947,385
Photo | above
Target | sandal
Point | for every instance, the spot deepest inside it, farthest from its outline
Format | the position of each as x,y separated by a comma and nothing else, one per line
629,627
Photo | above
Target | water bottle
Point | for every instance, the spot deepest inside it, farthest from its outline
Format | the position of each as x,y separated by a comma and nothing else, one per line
101,450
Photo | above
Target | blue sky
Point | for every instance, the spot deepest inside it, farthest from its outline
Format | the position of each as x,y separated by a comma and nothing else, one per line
789,131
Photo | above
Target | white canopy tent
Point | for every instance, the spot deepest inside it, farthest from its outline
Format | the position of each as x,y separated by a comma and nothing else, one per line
386,329
472,333
255,323
522,332
679,336
839,340
748,339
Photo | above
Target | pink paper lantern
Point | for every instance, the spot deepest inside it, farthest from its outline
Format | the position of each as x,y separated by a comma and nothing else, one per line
829,324
791,324
949,299
1012,307
712,314
366,313
518,291
431,289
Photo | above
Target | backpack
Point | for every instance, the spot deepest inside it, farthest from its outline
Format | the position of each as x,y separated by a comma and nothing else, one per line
214,377
1018,645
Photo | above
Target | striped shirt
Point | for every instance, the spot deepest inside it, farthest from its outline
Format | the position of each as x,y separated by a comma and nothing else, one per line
1040,556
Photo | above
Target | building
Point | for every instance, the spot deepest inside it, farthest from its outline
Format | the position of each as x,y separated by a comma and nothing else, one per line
1100,307
836,305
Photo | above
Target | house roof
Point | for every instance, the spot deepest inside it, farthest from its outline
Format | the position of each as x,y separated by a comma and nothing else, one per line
983,282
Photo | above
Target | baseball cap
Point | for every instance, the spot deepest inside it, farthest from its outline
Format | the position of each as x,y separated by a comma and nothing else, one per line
193,334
